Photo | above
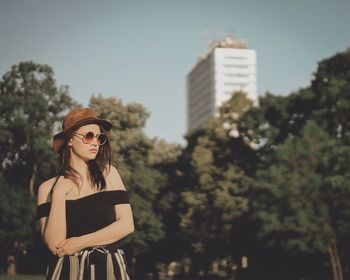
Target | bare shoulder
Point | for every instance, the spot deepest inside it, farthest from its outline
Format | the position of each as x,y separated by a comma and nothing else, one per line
44,191
113,179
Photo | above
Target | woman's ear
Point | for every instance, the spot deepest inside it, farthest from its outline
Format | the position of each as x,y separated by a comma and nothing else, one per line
70,144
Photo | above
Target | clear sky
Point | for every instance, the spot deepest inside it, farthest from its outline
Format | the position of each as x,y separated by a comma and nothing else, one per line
141,51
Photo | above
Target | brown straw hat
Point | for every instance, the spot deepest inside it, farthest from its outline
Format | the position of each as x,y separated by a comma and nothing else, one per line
74,120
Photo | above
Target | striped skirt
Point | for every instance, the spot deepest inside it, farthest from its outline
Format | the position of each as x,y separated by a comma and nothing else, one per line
89,264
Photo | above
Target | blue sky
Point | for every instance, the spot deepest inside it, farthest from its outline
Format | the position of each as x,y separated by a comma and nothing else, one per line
141,51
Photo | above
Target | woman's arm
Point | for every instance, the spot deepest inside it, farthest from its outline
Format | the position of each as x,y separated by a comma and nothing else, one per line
113,232
123,225
53,228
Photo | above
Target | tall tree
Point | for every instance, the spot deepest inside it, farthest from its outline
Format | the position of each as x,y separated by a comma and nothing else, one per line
213,167
292,196
331,88
16,220
325,100
30,104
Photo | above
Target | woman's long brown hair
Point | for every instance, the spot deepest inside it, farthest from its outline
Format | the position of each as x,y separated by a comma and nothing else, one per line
96,166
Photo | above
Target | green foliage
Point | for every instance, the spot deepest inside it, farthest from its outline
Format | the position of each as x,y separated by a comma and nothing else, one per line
331,90
214,194
290,199
17,210
30,104
302,188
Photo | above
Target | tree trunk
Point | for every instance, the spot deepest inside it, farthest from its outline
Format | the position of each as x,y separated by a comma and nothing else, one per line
11,265
32,179
334,269
335,261
133,264
187,264
215,266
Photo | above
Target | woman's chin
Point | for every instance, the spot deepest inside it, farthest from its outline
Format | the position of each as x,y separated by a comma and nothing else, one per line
90,157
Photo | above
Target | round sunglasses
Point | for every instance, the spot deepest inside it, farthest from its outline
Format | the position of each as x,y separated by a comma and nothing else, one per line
89,136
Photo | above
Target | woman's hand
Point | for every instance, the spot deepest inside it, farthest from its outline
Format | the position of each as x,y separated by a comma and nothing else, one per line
69,246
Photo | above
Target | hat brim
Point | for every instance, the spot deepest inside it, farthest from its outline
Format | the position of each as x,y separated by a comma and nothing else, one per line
59,138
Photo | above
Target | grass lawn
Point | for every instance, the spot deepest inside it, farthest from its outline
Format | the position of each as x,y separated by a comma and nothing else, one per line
22,277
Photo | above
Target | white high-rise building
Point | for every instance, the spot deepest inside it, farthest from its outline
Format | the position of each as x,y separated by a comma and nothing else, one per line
228,67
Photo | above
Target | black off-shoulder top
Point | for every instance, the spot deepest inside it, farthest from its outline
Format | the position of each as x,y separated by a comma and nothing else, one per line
89,213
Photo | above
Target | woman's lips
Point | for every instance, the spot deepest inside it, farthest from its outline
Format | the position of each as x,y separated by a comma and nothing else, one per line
93,150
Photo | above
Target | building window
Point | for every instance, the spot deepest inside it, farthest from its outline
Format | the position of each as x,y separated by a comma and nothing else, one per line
241,75
236,57
235,66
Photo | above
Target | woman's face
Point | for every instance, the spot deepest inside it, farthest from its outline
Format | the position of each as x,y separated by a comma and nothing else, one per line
83,150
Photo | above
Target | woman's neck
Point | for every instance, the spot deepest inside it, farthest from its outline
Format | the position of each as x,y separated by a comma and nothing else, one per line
80,165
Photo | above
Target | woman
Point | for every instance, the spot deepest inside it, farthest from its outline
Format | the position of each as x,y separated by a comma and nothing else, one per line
85,210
